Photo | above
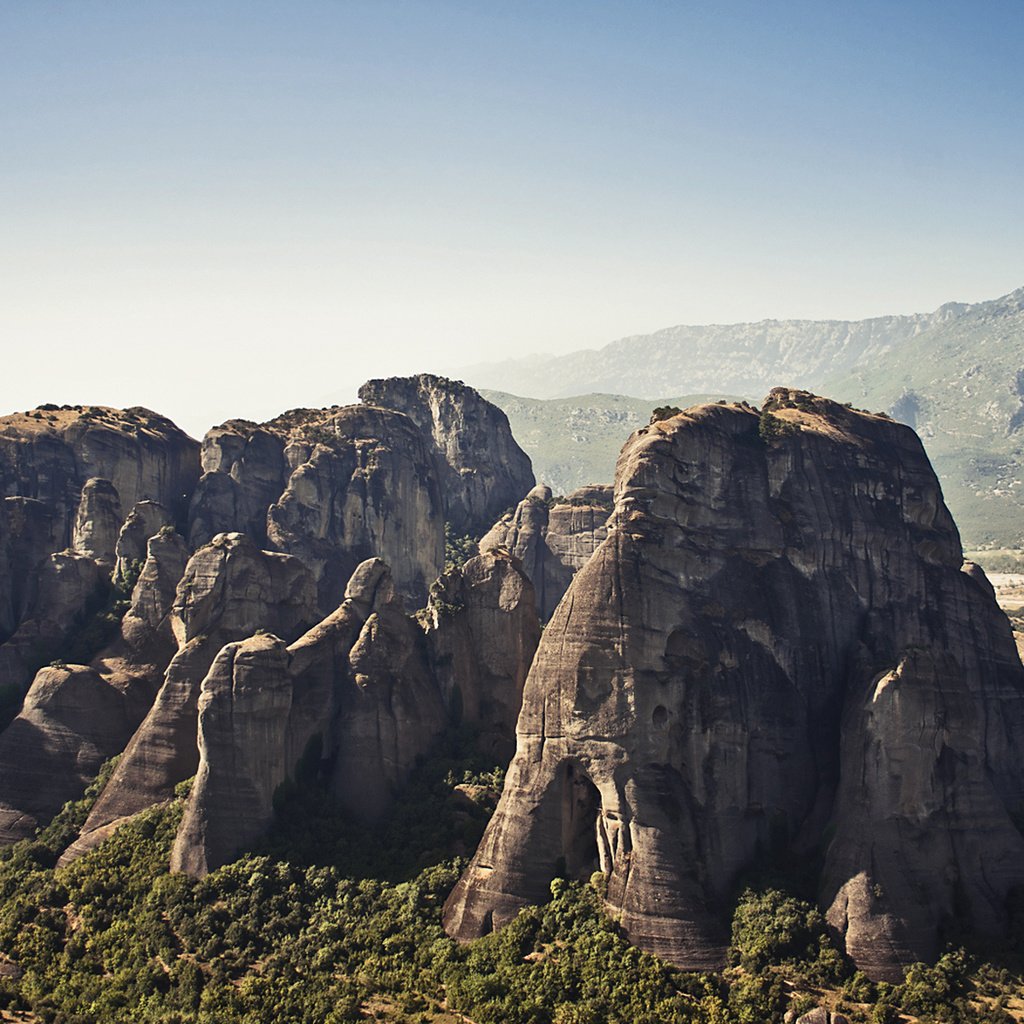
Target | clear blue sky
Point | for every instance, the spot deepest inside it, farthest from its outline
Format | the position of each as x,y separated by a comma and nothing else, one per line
220,209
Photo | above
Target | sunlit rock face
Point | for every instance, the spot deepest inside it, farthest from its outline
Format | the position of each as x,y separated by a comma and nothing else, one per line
552,538
482,469
774,653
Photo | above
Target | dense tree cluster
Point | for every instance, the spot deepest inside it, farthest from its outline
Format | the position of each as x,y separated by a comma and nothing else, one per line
332,922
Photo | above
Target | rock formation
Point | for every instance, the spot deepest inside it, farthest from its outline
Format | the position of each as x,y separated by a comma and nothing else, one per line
482,469
355,690
358,699
553,540
332,487
97,522
49,454
229,589
774,653
483,632
76,716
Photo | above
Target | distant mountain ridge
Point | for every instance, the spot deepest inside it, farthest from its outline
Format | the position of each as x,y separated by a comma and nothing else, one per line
746,358
955,375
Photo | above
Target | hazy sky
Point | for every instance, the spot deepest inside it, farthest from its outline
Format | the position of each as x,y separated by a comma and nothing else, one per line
219,209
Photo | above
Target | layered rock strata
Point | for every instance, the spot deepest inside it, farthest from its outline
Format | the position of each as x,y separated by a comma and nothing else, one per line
482,469
553,539
774,653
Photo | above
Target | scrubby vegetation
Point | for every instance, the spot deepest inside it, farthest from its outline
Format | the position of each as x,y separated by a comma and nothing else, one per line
332,922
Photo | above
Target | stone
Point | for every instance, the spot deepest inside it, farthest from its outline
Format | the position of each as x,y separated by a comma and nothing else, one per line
144,521
66,587
97,522
352,698
75,717
553,539
482,469
49,454
773,651
72,721
483,631
332,487
366,488
229,589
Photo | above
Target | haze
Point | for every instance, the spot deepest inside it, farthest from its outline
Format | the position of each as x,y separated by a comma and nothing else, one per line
224,209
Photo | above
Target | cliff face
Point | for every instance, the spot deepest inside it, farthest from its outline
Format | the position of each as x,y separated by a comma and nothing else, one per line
49,453
68,474
356,700
774,653
553,540
332,487
482,469
227,586
75,717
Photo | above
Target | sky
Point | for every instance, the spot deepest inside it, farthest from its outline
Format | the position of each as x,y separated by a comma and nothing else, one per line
230,209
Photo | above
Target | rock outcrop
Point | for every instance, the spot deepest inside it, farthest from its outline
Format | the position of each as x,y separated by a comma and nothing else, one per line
97,522
353,698
49,453
483,632
332,487
774,653
229,589
482,469
553,540
75,717
357,700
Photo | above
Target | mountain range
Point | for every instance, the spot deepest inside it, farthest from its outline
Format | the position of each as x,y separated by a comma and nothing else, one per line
956,375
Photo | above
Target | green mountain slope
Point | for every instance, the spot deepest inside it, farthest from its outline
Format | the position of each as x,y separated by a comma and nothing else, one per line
960,384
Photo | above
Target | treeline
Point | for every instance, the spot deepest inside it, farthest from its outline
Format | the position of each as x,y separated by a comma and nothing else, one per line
333,922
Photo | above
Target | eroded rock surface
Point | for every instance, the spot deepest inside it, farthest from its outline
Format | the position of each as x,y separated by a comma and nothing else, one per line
483,634
352,698
332,487
76,716
229,589
49,453
773,652
553,540
482,469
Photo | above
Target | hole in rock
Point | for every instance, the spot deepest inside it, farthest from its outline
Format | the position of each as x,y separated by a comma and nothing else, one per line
659,715
581,803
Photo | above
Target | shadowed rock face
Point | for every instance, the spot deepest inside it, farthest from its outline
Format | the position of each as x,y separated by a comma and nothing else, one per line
553,540
774,652
483,632
481,468
229,589
358,698
355,691
75,717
